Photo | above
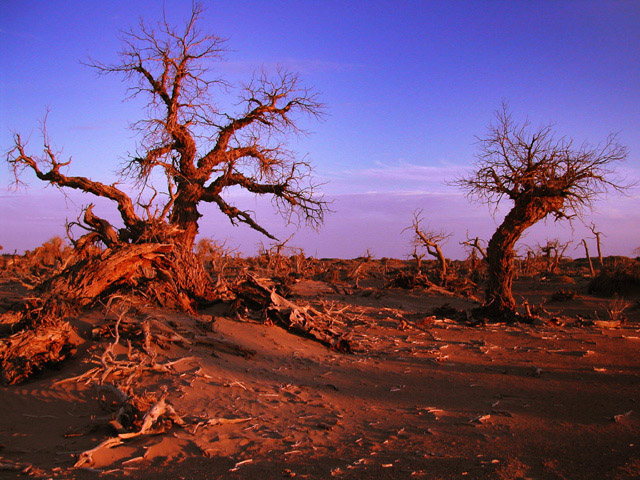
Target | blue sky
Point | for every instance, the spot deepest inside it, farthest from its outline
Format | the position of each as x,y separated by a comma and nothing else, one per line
408,85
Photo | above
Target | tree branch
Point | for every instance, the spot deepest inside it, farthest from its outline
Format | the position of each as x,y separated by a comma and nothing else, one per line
20,160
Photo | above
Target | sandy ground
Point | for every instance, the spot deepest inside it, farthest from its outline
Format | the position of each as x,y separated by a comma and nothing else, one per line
421,397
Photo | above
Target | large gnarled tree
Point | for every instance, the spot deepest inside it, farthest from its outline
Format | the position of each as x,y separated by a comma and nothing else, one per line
197,152
541,176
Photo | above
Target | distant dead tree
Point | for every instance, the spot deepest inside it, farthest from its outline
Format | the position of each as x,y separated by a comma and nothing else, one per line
431,241
597,235
527,264
476,245
418,257
363,262
586,253
553,252
541,176
199,153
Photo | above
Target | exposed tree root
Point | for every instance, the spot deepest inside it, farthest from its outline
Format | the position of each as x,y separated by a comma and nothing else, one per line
116,377
169,274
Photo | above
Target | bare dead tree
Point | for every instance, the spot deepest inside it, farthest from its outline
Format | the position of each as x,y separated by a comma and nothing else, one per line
597,235
475,244
586,253
364,262
431,241
529,261
200,152
541,176
418,257
553,252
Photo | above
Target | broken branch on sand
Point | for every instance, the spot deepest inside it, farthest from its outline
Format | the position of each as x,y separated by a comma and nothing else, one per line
255,294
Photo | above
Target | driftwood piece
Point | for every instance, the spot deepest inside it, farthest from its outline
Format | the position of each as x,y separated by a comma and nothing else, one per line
257,294
158,410
32,350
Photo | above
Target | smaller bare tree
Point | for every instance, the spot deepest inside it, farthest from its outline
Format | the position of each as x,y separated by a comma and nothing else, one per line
431,241
418,257
598,234
476,244
553,252
586,253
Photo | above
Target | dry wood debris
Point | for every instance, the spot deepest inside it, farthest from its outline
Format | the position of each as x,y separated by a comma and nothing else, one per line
31,351
257,296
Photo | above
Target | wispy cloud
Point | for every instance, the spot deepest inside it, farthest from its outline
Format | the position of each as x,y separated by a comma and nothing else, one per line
400,177
406,171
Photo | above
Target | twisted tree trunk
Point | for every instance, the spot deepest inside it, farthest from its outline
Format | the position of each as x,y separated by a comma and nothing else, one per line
526,212
185,215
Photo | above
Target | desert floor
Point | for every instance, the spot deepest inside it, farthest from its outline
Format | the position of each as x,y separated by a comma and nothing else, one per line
422,396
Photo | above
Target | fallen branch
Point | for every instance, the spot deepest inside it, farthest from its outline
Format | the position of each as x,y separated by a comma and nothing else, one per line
258,296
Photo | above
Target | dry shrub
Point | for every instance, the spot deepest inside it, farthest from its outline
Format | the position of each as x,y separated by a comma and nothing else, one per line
408,280
286,263
332,274
531,266
472,268
616,309
51,256
620,279
218,259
